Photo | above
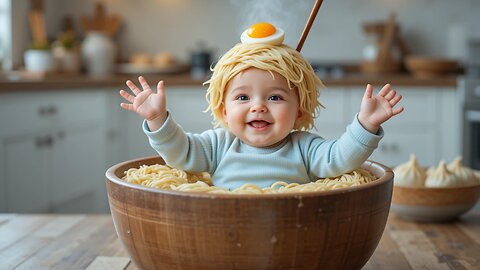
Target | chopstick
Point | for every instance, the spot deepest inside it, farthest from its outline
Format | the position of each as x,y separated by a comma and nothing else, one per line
313,14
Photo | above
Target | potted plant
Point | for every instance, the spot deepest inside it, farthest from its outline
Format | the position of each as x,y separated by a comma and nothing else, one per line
38,58
66,52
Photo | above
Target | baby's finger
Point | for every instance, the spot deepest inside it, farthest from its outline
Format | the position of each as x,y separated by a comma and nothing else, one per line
127,106
397,110
384,90
395,100
127,96
161,87
144,84
133,87
390,95
368,92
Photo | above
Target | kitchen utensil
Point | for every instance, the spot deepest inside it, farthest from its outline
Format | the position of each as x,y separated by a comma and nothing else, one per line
100,21
164,229
37,25
200,61
382,56
426,66
311,18
434,204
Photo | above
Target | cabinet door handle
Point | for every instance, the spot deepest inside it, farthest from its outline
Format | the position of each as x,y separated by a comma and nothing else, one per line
42,111
49,140
52,110
47,111
39,142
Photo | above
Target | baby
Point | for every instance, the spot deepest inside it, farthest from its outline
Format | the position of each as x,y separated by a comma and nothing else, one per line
264,99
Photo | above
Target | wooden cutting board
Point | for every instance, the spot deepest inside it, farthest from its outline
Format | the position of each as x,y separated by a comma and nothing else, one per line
100,21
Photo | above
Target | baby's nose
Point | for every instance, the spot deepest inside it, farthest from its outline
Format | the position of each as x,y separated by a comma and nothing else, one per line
258,107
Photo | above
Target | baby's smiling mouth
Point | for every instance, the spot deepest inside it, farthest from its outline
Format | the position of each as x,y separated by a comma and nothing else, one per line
258,123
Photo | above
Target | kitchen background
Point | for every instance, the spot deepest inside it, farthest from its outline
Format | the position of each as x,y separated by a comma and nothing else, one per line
59,132
433,27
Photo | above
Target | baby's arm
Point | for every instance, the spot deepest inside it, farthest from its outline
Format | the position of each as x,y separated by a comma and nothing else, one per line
148,104
187,151
375,110
330,158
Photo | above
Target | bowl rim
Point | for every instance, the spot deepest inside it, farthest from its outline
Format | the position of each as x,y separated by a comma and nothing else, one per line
429,58
110,174
424,188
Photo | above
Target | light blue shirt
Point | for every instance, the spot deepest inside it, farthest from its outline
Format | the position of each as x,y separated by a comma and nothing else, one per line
301,158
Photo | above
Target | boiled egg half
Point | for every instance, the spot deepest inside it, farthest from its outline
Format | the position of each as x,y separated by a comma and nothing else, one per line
265,33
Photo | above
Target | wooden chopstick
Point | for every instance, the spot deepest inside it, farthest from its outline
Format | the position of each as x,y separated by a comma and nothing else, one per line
311,18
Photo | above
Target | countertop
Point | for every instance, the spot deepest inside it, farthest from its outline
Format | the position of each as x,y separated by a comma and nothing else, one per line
48,241
16,82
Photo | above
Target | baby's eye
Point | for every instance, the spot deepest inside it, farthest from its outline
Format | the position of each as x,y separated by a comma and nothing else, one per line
275,98
241,97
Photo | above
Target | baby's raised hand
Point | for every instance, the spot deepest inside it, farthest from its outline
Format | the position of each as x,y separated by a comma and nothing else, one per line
146,103
375,110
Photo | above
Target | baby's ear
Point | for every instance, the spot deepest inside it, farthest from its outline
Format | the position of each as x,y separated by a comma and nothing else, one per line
224,112
299,118
299,114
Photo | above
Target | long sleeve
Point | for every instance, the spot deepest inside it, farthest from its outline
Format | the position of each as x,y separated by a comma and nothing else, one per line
190,152
330,158
302,157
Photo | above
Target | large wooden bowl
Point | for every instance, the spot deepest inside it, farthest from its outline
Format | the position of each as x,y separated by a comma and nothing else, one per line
163,229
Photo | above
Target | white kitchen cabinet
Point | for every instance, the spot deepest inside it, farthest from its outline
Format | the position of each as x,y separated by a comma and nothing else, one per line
396,147
187,106
78,165
25,174
427,127
53,151
336,115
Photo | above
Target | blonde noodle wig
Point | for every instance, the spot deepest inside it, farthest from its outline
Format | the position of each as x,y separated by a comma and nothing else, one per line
282,59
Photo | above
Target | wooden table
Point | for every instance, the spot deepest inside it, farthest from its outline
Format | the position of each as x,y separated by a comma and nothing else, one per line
90,242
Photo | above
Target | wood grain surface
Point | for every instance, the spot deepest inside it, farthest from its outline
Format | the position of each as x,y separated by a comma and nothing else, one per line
164,229
90,242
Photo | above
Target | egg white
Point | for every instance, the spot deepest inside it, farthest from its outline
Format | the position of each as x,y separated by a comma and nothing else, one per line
274,39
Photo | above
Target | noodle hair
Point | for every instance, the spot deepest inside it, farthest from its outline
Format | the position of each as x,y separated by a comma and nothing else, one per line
282,59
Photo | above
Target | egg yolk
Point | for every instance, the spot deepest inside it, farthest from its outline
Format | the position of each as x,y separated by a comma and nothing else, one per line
261,30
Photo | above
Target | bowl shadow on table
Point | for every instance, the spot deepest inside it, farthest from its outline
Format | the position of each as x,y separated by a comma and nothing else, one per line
163,229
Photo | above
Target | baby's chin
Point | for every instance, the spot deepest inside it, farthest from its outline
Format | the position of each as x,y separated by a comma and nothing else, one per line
263,144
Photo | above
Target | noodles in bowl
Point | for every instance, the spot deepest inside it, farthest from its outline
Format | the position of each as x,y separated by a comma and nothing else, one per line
164,177
172,229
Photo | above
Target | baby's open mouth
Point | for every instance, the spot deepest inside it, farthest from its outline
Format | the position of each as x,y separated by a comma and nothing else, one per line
258,123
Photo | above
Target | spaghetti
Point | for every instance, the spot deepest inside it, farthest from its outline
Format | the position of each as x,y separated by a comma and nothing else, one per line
164,177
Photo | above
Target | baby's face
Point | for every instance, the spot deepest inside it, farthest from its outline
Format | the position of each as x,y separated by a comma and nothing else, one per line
259,109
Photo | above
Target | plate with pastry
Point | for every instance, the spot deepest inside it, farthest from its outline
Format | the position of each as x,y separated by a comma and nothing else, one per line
434,194
145,63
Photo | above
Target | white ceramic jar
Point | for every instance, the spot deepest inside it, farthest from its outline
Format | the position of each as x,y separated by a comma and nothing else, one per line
98,54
